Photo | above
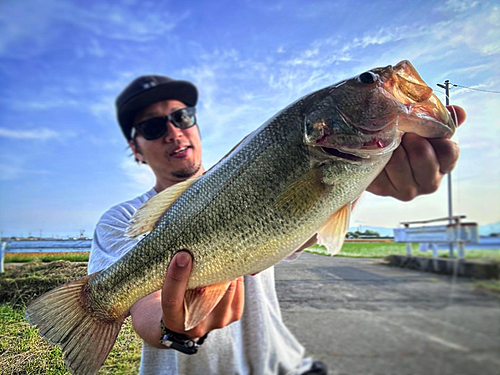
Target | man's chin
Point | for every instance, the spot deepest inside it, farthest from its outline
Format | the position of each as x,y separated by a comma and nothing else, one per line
186,173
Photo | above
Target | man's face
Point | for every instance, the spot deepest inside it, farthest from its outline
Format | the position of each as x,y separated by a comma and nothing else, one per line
175,156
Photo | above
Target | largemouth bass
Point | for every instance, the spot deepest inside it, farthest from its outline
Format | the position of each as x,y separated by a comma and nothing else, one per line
293,177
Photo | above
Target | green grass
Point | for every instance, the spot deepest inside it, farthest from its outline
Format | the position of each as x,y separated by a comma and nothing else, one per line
46,257
490,285
22,350
383,249
20,284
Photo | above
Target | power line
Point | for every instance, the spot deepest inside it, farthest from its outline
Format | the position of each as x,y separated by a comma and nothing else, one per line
471,88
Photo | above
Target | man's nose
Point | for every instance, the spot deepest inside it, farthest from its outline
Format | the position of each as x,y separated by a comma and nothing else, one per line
173,132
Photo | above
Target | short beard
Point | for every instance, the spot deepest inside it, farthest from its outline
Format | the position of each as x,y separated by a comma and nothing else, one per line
187,172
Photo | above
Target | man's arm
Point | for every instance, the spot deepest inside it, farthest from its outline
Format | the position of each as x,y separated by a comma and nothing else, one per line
168,304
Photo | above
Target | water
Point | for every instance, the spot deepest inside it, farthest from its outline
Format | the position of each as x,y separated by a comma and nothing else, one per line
74,246
37,246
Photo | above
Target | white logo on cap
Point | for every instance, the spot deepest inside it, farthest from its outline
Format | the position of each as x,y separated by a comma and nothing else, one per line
147,85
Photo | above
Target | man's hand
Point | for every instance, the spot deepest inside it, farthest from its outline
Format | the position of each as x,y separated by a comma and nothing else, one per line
418,164
228,310
168,304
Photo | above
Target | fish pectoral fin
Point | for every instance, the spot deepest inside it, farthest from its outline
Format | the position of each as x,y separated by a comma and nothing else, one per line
199,302
302,194
149,213
332,234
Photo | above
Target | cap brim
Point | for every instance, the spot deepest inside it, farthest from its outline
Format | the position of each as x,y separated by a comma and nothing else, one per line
182,91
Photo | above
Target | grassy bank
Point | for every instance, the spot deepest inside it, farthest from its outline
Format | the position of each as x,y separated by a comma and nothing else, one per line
381,250
22,351
349,249
46,257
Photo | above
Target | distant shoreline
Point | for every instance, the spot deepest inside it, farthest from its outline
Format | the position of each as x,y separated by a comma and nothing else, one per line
7,239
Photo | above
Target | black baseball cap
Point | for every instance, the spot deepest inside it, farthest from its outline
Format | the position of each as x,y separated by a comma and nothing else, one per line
147,90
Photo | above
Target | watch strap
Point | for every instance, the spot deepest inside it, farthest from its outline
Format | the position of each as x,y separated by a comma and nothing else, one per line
179,341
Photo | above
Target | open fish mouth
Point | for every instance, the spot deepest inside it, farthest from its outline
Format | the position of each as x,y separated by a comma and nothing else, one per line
362,145
337,153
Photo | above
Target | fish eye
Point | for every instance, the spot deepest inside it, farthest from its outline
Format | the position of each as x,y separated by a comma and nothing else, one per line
367,78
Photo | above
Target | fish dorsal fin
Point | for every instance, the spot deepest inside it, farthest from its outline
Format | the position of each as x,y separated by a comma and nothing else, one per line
302,194
199,302
332,234
147,215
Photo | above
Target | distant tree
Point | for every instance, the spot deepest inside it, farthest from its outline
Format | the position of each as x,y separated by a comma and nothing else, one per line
351,235
494,234
371,233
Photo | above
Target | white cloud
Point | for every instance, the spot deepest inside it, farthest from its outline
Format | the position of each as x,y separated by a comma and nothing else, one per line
389,35
11,172
95,49
468,71
104,108
479,32
118,22
41,134
45,100
140,176
266,6
458,5
38,23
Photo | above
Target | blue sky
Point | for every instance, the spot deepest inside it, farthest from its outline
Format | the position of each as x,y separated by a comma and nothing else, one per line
62,63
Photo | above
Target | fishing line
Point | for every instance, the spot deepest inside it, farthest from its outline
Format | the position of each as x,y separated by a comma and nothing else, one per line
472,88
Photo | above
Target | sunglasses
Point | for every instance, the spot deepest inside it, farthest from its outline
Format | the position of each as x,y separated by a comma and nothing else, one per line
156,127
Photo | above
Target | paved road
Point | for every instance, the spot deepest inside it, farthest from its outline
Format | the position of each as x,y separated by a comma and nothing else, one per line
361,317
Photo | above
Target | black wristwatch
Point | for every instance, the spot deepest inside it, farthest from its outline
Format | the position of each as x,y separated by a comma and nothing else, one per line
178,341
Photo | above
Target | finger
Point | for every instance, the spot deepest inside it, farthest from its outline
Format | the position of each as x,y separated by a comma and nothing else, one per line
457,114
400,174
382,185
447,153
238,303
174,288
423,163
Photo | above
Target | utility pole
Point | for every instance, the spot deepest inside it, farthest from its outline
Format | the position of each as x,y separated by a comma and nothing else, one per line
446,88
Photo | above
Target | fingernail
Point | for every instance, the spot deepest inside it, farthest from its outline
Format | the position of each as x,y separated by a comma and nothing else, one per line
182,259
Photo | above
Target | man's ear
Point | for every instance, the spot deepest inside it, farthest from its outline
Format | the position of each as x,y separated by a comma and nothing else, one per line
136,151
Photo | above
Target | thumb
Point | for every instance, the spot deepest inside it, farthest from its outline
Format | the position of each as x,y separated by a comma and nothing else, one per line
174,288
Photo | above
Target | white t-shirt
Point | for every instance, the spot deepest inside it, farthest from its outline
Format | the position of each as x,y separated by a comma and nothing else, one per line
259,343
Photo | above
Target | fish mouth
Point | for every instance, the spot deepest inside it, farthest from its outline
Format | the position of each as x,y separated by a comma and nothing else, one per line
425,115
339,154
363,144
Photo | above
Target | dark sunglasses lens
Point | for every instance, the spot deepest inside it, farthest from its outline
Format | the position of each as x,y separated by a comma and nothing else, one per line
184,118
153,128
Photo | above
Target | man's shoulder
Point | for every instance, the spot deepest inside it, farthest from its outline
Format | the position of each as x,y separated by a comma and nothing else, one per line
127,209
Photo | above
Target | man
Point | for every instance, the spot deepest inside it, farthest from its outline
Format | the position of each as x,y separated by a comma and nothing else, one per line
247,335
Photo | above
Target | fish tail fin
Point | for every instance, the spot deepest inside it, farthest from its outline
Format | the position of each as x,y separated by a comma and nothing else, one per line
63,318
